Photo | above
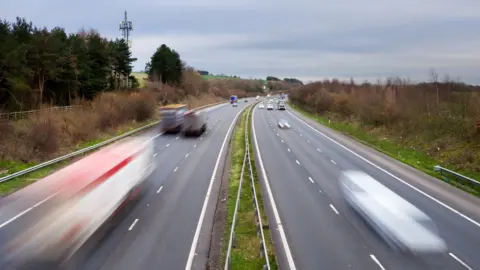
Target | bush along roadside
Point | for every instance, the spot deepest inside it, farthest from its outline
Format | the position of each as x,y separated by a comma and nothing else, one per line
246,252
411,157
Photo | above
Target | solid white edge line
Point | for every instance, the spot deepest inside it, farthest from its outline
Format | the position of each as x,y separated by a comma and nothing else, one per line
377,261
133,224
26,211
460,261
160,189
390,174
278,221
191,254
334,209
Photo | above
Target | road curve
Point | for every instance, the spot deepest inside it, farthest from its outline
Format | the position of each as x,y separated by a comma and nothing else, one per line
321,231
158,230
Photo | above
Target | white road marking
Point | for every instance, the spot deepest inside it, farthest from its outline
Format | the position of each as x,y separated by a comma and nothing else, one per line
176,168
392,175
319,191
460,261
319,150
194,146
201,138
288,149
186,155
278,221
333,161
308,141
377,262
26,210
278,135
167,145
301,134
297,162
155,154
282,141
160,189
177,138
334,209
193,247
133,224
311,180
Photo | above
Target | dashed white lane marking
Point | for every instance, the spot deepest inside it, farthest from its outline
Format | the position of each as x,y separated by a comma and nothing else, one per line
155,154
187,155
334,209
167,145
319,150
377,262
319,191
201,138
333,161
282,141
288,149
133,224
177,138
301,134
311,180
176,168
460,261
297,162
206,132
273,129
160,189
471,220
278,134
308,141
194,146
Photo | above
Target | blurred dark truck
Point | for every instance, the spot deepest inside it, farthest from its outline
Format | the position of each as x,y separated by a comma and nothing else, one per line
195,123
172,118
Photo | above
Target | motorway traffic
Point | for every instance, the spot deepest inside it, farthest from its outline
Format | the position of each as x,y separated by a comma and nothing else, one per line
312,225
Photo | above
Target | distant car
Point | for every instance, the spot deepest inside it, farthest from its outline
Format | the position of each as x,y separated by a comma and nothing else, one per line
269,107
282,123
245,100
281,105
402,225
195,123
261,106
235,104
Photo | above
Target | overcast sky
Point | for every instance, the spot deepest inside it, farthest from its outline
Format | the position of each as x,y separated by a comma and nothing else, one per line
306,39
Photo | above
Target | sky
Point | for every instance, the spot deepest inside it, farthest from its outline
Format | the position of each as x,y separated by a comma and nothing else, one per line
305,39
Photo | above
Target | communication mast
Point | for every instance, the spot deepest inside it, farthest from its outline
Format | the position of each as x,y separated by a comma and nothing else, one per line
126,27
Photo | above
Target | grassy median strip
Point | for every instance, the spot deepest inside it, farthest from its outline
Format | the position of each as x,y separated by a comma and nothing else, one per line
415,159
246,252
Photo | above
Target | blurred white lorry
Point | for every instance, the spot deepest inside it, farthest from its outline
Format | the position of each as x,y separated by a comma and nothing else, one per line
89,194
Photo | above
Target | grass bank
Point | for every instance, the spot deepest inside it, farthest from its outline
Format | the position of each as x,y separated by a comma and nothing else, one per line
401,152
246,249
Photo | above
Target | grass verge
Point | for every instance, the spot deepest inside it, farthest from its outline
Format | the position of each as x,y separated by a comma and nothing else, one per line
411,157
23,181
246,249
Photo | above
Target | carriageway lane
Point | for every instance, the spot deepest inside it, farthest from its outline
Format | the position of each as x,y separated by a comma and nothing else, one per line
159,231
323,168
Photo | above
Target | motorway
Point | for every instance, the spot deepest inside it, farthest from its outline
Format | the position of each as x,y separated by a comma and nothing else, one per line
302,165
158,231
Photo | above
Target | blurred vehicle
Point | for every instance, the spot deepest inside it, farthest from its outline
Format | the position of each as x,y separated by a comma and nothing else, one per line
403,226
172,117
281,105
233,99
235,104
269,106
245,100
195,123
92,192
261,106
257,98
282,123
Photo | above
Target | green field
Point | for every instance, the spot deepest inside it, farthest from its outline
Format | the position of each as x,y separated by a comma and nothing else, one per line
140,76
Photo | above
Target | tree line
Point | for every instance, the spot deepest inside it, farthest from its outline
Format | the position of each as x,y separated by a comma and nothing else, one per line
39,66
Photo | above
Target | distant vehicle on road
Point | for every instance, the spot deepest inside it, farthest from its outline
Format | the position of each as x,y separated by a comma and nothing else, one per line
281,105
269,106
233,99
195,123
172,117
402,225
261,106
282,123
257,98
245,100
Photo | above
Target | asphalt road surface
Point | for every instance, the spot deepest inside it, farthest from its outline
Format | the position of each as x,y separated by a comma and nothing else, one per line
321,232
159,230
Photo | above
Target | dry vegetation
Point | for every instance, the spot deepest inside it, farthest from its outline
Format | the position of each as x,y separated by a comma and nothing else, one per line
436,119
50,134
